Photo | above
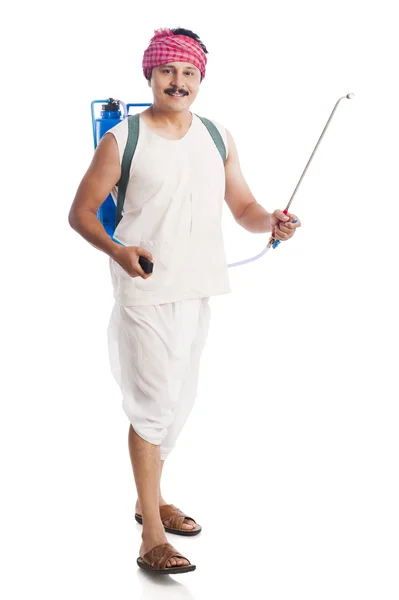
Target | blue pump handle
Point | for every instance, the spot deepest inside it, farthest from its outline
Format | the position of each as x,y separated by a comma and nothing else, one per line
135,104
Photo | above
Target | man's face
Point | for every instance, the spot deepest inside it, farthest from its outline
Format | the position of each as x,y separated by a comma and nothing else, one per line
175,85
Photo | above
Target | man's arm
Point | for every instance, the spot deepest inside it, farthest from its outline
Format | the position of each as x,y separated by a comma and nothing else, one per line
245,209
103,173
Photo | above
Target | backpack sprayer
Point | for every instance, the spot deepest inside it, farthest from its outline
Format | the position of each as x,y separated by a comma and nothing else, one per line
110,215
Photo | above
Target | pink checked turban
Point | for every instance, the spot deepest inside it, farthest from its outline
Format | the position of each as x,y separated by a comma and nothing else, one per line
166,47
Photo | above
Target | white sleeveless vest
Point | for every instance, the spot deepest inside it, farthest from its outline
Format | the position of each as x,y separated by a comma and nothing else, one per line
173,208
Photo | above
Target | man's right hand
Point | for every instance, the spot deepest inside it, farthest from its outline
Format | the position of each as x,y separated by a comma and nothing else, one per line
128,258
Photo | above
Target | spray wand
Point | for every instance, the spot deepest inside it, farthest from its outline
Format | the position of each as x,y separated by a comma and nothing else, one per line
273,242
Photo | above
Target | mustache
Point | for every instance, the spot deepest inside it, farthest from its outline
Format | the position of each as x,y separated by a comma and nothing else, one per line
173,90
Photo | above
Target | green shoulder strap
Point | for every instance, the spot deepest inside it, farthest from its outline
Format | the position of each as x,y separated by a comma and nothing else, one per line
133,123
132,138
215,135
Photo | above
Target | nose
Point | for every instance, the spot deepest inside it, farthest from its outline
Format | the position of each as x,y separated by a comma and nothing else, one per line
178,80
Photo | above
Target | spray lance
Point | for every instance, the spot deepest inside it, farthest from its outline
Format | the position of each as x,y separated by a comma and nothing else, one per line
273,242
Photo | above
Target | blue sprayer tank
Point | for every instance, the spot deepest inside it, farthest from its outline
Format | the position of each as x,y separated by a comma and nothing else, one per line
111,114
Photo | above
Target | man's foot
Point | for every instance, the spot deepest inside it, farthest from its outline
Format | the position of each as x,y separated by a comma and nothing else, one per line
150,541
188,523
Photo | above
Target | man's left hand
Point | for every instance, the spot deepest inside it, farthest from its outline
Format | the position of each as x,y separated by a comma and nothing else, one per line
282,226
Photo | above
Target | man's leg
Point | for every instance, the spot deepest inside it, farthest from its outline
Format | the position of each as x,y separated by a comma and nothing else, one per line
188,525
146,464
197,331
161,501
141,398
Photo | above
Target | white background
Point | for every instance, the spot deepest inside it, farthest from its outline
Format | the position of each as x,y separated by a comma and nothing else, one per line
289,460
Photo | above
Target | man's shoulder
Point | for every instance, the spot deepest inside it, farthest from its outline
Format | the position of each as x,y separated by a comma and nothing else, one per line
221,129
121,126
214,121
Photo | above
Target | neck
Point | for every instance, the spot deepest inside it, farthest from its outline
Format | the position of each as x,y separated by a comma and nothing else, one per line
168,118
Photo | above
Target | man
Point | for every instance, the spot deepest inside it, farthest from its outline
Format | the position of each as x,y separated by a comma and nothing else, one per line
172,216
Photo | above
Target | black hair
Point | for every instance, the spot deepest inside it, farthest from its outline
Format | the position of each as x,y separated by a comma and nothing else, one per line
191,34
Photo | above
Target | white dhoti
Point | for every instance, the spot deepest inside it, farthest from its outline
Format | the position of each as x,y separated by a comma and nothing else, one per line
155,353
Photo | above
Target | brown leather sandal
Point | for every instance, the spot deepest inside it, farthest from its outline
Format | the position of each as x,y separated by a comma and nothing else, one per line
156,559
173,519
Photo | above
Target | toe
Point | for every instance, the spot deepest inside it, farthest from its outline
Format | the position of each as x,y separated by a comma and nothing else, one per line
179,562
189,524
